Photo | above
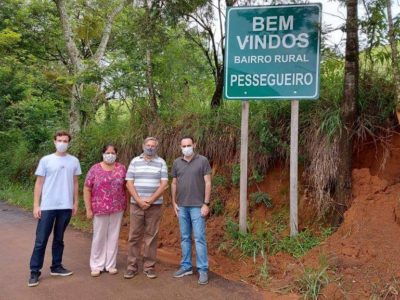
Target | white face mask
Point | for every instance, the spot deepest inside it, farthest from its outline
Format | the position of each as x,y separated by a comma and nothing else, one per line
109,158
187,151
61,147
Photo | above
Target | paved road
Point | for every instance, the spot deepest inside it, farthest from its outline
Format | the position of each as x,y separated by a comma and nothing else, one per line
17,230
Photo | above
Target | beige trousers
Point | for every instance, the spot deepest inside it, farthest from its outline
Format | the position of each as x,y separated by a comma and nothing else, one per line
103,254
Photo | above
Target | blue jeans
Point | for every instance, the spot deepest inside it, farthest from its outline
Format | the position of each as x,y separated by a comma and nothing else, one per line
191,219
59,220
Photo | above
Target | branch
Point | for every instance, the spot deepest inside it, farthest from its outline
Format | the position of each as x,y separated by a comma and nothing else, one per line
206,53
107,31
73,52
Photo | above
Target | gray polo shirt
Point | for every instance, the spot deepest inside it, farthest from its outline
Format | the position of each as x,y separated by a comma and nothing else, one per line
190,184
147,176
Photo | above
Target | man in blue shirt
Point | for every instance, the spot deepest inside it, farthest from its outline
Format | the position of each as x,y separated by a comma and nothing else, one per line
55,200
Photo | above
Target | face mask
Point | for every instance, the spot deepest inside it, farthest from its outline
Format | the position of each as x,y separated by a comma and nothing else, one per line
61,147
187,151
109,158
149,151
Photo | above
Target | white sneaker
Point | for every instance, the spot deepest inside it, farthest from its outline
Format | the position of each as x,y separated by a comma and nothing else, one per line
112,271
95,273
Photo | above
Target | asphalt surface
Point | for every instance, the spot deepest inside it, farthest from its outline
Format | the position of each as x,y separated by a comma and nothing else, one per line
17,232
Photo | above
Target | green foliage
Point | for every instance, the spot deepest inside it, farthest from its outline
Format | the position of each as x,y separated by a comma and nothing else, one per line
261,198
217,207
271,240
312,281
235,175
297,246
17,194
247,243
256,176
218,180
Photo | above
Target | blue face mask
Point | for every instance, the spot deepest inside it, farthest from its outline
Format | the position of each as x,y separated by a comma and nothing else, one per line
149,151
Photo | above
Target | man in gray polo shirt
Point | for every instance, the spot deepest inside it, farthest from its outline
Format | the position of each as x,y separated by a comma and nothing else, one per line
191,190
146,180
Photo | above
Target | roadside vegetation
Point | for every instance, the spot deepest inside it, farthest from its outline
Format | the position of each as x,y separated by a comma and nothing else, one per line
160,75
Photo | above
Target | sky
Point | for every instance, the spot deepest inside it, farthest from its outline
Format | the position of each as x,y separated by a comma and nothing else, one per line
334,16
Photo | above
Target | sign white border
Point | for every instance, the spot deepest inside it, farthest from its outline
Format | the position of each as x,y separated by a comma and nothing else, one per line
317,73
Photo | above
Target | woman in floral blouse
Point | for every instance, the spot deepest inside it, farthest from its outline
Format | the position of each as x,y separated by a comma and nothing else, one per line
105,200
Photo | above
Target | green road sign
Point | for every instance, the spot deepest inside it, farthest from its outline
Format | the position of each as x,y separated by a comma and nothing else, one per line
272,52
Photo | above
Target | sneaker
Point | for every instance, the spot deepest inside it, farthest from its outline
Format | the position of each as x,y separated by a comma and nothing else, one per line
130,274
95,273
183,272
112,271
34,279
203,278
150,273
61,271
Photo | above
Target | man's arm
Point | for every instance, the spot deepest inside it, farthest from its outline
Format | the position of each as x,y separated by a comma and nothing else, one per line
157,194
205,210
36,197
132,191
173,194
76,195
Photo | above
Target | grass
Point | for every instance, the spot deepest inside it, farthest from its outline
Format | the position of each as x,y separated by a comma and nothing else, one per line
312,281
271,240
19,195
22,196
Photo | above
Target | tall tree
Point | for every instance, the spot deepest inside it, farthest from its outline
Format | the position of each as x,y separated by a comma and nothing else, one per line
76,64
395,57
348,112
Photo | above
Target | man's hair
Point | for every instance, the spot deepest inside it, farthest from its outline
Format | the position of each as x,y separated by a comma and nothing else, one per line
187,137
62,133
150,138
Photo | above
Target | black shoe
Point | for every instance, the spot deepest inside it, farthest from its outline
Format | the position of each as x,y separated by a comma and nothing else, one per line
129,274
61,271
150,273
34,279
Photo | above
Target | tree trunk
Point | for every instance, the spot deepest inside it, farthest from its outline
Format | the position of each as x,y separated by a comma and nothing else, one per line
216,100
74,112
150,86
348,113
395,66
76,65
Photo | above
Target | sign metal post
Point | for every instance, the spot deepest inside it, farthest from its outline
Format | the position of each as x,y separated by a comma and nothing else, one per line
272,53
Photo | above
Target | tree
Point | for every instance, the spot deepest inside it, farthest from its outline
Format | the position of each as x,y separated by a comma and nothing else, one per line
395,58
348,112
76,63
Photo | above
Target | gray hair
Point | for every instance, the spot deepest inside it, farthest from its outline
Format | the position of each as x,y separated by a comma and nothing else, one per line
150,138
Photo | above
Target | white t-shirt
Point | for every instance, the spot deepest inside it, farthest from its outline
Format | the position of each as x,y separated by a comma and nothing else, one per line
58,187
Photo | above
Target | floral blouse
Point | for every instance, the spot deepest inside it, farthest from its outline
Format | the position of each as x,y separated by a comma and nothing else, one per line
107,189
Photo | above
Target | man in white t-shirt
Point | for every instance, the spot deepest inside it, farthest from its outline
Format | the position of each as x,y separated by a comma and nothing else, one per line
55,200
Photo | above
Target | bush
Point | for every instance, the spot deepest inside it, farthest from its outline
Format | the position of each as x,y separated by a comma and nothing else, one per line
217,207
218,180
272,241
261,198
235,175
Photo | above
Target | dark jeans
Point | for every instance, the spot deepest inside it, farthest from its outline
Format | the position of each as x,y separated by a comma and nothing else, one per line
57,219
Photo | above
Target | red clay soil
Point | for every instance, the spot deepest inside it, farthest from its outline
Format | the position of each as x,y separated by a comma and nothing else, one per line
363,254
